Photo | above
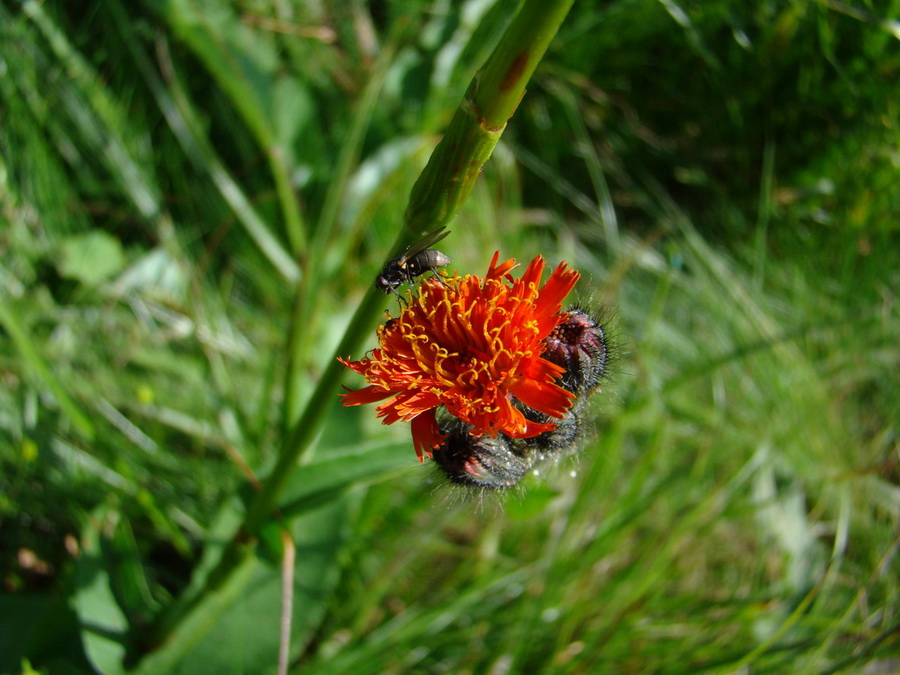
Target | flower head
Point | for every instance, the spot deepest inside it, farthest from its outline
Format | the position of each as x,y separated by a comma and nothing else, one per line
473,346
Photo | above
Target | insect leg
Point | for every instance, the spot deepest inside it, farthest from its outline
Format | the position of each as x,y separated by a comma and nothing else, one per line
402,300
437,276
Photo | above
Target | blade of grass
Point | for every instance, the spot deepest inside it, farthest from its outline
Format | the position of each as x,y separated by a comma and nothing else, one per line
33,359
606,212
182,119
97,117
179,112
218,43
299,343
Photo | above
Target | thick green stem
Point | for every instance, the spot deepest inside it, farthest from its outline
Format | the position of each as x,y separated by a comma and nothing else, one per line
490,101
501,85
305,430
451,172
446,181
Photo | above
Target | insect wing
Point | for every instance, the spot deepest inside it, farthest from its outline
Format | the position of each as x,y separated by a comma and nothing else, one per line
423,244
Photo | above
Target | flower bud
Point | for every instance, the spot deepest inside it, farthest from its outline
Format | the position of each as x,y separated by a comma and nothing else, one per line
480,461
564,440
578,345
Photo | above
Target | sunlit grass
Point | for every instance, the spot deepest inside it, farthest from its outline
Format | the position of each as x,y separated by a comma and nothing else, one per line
736,504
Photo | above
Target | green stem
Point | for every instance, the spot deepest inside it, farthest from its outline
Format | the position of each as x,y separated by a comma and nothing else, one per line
305,430
194,609
501,85
492,98
444,184
490,101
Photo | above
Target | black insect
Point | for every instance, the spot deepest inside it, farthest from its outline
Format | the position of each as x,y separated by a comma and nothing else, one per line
417,259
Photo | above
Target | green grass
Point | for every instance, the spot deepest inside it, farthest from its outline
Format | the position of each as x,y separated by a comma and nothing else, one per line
723,175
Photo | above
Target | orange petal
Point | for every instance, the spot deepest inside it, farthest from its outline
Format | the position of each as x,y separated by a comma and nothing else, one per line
556,289
533,273
531,429
425,434
495,272
368,394
544,397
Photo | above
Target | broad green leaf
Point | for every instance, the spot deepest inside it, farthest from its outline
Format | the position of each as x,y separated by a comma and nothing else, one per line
42,628
91,258
127,575
245,639
325,479
104,626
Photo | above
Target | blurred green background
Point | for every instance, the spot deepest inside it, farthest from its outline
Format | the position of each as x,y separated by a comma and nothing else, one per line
725,175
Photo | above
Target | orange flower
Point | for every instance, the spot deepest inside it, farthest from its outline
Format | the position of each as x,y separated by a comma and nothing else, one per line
473,346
